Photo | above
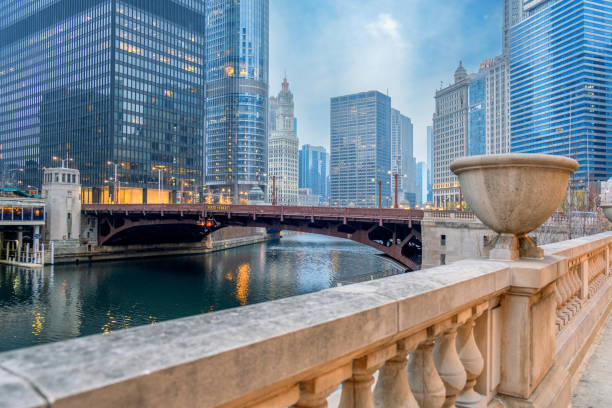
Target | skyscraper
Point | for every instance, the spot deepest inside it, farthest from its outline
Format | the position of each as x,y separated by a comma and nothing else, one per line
430,155
513,14
497,105
283,151
236,97
421,183
560,94
313,170
104,83
477,114
360,149
450,137
402,156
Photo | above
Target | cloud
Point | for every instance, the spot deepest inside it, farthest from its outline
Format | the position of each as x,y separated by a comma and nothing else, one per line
385,26
407,47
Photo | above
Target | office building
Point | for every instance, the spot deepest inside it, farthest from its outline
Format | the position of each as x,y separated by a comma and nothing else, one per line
560,90
421,183
429,164
237,97
402,154
497,124
104,83
360,156
512,14
477,114
450,138
313,170
283,151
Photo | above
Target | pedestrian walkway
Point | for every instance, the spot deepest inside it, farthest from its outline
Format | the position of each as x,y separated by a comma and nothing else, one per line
594,389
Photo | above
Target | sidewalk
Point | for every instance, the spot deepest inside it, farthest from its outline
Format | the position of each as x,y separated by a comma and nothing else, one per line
594,389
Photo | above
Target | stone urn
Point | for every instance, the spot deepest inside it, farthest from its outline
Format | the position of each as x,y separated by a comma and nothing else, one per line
607,210
513,194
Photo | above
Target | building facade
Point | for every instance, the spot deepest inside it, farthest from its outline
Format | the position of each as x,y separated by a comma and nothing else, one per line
236,97
450,138
429,164
313,162
512,14
477,115
99,82
402,153
560,92
497,105
360,156
283,151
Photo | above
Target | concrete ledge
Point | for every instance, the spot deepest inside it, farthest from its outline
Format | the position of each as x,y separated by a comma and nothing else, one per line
17,393
243,352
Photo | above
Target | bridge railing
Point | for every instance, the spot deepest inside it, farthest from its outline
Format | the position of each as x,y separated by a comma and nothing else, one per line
476,331
298,211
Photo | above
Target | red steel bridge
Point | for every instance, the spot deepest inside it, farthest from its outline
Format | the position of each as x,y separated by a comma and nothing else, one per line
395,232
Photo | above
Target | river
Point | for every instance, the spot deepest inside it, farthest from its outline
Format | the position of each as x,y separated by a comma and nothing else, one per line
65,301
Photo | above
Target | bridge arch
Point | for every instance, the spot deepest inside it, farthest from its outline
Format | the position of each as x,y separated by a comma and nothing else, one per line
398,237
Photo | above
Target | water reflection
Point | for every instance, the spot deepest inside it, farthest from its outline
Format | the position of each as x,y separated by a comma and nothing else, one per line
65,301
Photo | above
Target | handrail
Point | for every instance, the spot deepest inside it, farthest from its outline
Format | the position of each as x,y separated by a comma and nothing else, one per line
451,320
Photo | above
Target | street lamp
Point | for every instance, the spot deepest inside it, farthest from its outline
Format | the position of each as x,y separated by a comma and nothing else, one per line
116,188
159,180
64,162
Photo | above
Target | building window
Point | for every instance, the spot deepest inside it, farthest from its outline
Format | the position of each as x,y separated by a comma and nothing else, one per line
443,240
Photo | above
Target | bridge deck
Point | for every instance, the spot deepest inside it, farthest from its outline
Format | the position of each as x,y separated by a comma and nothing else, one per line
386,214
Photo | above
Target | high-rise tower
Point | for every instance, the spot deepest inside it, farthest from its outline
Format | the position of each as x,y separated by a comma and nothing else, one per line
115,87
360,156
283,151
236,97
560,90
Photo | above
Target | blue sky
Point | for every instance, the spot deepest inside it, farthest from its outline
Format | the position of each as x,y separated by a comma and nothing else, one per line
335,47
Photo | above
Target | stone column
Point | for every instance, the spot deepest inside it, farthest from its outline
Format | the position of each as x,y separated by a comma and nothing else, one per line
473,363
425,383
528,338
357,391
36,240
392,388
449,366
314,393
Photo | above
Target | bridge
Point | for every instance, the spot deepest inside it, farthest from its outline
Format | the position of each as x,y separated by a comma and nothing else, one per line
394,232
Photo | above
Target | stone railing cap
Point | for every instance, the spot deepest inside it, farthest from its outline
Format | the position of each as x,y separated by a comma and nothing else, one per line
514,160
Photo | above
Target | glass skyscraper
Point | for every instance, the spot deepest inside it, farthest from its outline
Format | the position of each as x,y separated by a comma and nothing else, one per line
313,161
477,114
360,155
104,83
560,83
237,97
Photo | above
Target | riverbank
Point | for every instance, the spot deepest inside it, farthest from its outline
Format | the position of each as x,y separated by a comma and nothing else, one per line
72,251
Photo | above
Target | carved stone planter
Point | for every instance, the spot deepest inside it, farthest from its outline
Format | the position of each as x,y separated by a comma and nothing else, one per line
607,210
513,194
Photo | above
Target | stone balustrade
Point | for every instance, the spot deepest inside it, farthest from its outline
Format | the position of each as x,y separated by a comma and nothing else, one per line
474,333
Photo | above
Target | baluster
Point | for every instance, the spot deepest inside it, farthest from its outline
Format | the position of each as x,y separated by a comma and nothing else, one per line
314,393
449,366
392,388
472,362
425,383
357,391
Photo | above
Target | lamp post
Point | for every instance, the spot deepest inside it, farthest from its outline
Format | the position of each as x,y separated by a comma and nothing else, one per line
396,203
116,186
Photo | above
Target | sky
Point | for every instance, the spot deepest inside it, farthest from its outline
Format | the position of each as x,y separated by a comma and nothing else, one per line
404,47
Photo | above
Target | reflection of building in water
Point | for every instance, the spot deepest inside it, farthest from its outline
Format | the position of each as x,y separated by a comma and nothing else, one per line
53,309
242,283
